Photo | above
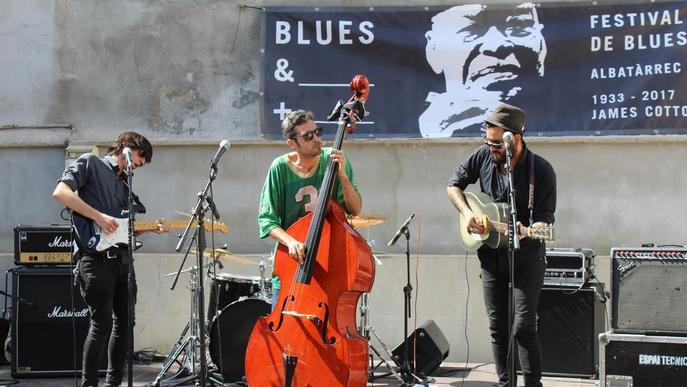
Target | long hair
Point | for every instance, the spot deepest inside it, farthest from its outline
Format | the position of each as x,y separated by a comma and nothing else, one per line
134,141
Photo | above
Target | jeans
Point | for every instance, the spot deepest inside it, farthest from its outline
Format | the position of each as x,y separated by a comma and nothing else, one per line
527,288
104,287
275,297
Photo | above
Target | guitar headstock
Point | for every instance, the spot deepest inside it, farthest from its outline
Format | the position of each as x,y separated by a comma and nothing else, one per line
544,232
215,226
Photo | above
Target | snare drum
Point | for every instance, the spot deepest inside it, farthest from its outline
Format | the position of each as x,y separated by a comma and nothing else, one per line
226,288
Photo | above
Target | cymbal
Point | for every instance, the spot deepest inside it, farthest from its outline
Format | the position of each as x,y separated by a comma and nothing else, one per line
366,219
224,255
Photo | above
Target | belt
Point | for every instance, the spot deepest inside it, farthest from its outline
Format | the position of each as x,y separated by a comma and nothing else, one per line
112,254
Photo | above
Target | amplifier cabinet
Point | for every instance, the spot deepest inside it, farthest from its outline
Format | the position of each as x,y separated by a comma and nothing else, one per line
627,360
43,245
569,322
646,290
47,331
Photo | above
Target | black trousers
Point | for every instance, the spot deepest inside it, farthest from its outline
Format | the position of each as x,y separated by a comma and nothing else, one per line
104,287
527,288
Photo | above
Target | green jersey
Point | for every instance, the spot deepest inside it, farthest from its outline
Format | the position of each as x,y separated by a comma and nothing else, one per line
288,195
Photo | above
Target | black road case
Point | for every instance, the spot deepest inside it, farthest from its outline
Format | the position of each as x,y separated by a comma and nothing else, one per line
627,360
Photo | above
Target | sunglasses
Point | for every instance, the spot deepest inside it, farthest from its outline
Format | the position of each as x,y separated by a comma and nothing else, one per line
493,144
309,135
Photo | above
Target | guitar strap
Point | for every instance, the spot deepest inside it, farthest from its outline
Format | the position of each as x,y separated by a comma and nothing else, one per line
530,203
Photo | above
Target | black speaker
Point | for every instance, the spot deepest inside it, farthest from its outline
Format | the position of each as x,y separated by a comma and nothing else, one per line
569,322
430,345
646,291
47,332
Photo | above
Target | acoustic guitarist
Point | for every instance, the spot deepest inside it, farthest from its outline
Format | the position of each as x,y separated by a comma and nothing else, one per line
89,183
535,200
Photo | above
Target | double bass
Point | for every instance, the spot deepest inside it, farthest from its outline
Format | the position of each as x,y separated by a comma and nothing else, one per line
311,337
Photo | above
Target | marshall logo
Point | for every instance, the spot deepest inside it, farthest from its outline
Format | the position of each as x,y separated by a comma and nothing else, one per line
59,312
59,242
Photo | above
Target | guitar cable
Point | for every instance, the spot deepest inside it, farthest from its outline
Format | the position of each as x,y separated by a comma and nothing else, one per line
74,271
465,325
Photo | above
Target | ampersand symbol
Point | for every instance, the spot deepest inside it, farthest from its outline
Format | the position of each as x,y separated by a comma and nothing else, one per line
280,73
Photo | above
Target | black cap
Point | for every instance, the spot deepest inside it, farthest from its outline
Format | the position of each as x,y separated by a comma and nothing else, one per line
508,117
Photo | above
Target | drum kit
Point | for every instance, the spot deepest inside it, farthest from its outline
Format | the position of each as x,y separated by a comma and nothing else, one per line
234,305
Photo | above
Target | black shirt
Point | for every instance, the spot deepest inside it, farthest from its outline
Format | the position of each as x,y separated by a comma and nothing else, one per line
98,183
479,166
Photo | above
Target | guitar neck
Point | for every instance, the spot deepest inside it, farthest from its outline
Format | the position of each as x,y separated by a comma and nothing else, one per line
537,232
150,225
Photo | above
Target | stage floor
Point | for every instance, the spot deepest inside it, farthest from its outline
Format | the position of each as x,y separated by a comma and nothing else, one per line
451,375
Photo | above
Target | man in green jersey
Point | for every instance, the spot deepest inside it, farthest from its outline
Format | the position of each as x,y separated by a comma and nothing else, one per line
293,182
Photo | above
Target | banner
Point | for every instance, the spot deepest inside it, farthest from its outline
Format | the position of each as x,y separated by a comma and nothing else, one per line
576,68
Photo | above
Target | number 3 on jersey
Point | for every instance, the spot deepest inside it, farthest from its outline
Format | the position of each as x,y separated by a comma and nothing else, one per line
311,192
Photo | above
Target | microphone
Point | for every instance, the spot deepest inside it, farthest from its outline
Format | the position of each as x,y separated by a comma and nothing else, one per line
508,139
223,146
400,230
128,156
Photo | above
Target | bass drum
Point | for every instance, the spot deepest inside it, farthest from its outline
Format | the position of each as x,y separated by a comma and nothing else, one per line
229,335
226,288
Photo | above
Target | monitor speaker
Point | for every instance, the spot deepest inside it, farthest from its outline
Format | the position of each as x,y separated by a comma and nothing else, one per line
427,345
49,323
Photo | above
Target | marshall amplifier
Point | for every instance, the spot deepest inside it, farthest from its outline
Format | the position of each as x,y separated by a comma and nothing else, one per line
647,290
43,245
642,361
568,266
49,323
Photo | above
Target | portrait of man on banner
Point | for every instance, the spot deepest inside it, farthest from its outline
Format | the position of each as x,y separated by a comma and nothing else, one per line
485,53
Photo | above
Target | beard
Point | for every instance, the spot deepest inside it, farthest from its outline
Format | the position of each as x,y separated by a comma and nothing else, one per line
498,158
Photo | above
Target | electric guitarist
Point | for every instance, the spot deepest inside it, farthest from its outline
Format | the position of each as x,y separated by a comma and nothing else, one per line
87,185
535,200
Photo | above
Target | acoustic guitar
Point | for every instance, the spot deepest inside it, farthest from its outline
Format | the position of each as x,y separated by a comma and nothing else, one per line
494,218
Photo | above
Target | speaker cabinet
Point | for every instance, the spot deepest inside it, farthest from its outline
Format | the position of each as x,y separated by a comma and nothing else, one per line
569,322
430,345
49,323
647,290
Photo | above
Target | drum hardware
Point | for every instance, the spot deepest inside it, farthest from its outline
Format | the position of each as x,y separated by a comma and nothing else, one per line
222,255
367,219
229,334
240,300
185,351
262,267
366,330
227,288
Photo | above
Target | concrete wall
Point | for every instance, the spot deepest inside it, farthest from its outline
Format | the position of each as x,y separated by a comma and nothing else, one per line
77,73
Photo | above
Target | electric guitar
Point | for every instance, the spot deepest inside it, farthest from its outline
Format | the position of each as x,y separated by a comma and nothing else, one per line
495,221
90,237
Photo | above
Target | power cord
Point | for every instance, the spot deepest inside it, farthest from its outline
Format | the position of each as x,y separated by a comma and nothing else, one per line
148,355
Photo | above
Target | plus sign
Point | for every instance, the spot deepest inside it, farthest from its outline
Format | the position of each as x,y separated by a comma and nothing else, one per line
282,111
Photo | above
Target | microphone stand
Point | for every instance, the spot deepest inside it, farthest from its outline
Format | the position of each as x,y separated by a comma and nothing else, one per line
406,372
198,216
130,277
513,246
